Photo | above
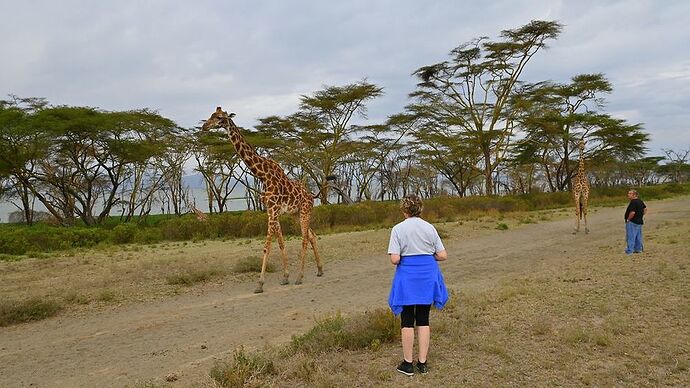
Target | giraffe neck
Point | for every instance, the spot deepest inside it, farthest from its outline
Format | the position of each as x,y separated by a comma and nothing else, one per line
246,152
581,162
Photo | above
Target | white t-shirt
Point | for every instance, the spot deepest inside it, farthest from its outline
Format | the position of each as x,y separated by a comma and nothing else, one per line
414,236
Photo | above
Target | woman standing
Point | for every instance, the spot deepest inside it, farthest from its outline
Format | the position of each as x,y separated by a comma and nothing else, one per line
414,248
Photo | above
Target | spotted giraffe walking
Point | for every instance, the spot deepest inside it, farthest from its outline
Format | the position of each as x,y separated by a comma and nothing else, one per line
281,195
580,188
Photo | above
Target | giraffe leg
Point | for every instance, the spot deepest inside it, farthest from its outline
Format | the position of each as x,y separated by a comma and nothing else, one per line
577,216
283,254
303,252
312,240
585,201
267,250
272,222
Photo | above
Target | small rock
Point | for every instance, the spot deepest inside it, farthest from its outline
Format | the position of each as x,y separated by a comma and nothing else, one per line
170,377
203,346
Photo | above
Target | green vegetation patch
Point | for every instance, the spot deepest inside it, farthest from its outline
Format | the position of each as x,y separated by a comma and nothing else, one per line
369,330
251,264
18,240
243,367
13,312
193,276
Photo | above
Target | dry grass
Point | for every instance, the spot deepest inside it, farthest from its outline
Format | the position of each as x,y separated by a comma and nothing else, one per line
604,320
251,264
89,279
100,278
600,318
13,312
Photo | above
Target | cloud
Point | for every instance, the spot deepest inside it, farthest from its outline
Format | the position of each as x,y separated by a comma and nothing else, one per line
184,59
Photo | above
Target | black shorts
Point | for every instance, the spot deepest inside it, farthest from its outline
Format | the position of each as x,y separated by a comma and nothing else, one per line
417,313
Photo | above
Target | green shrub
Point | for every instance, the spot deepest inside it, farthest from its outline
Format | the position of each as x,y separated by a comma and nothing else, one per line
251,264
148,235
253,224
226,224
12,242
182,228
191,277
123,233
12,312
85,237
243,368
20,239
362,331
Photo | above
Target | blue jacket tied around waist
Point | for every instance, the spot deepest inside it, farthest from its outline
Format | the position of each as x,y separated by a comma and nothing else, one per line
417,280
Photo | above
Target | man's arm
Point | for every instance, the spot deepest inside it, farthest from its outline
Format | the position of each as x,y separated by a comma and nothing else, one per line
395,258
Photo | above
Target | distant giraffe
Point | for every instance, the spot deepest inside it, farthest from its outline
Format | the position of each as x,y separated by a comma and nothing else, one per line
580,188
201,216
281,195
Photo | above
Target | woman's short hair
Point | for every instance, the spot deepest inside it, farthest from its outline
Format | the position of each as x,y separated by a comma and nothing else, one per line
412,205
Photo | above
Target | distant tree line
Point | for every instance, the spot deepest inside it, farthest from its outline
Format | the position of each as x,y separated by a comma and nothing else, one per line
473,127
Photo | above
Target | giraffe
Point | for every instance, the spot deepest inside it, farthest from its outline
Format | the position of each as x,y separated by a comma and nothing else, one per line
580,187
201,216
281,195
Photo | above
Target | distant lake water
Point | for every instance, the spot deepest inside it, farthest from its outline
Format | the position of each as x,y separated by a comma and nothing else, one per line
197,196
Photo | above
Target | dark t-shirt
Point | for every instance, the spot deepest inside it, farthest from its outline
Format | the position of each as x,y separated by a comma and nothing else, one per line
636,205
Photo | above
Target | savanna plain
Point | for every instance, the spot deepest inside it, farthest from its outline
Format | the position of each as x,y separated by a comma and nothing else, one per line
532,304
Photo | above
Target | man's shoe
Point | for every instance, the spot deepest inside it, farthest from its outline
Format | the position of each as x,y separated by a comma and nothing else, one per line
422,368
406,368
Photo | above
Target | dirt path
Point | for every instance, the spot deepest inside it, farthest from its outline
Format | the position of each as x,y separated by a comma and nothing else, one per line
185,334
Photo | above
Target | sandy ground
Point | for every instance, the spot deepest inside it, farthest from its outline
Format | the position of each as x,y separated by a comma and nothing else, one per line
183,335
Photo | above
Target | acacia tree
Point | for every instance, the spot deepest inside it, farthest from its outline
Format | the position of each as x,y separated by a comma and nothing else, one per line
642,171
321,130
173,190
454,160
75,159
94,156
138,141
378,152
22,147
677,167
468,95
217,162
555,117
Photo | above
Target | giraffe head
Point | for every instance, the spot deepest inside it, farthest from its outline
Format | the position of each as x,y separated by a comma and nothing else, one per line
219,119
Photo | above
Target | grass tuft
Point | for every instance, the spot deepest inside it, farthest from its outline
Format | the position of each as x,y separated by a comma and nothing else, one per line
13,312
251,264
193,276
367,331
243,368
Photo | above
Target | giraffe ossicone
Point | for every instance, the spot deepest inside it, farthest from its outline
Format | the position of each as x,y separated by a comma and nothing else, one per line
281,195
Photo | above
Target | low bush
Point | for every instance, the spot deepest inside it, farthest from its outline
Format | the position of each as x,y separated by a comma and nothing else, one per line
148,236
251,264
191,277
13,312
368,330
20,239
123,233
243,368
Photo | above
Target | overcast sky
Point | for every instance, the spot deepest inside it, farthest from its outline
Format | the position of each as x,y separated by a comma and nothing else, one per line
256,58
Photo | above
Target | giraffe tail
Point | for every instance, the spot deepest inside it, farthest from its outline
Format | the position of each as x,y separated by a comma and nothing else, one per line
582,208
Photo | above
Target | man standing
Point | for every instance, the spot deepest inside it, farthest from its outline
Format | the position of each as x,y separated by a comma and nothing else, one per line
633,223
